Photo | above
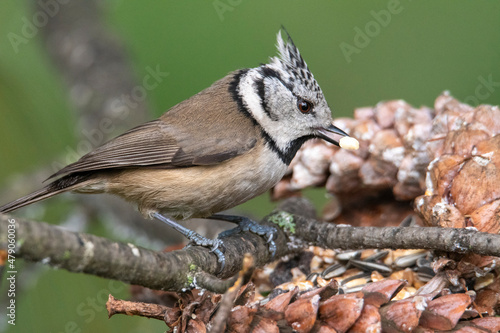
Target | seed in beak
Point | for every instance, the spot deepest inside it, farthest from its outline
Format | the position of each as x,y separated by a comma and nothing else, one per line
347,142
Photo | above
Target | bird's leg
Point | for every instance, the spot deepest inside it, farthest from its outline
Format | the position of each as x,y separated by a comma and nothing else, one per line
246,224
195,238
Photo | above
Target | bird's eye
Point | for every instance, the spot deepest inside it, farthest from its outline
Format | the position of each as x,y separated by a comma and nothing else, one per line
304,106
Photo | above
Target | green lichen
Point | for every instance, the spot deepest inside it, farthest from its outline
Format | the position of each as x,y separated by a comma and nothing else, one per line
190,277
67,255
284,220
20,242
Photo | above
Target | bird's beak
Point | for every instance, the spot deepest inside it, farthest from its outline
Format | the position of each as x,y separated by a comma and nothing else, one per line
331,134
338,137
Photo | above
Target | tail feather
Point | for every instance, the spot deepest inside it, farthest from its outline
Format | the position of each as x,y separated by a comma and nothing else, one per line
29,199
64,184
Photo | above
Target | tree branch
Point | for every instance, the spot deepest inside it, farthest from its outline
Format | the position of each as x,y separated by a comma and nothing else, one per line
84,253
190,267
456,240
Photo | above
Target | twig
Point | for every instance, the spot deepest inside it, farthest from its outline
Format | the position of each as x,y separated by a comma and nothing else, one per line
226,304
214,284
149,310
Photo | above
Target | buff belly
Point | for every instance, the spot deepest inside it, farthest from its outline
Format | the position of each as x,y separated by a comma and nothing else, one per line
199,191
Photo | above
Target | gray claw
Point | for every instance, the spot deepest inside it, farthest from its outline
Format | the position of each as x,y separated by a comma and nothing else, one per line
220,256
195,238
245,224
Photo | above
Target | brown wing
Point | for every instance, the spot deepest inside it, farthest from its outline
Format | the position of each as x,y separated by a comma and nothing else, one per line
194,132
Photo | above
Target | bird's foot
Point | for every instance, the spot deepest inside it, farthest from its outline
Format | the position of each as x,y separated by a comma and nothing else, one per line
215,245
246,224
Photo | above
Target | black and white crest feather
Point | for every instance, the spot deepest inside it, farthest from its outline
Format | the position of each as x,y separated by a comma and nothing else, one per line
291,62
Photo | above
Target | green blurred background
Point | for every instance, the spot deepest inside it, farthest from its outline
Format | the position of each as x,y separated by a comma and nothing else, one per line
420,50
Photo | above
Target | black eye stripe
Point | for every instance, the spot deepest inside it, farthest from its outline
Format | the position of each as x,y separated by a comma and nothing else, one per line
259,85
270,73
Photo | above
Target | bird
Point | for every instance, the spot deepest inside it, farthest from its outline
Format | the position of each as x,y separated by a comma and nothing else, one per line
221,147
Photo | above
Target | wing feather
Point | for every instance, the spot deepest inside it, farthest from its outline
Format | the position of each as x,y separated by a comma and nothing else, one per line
187,135
141,146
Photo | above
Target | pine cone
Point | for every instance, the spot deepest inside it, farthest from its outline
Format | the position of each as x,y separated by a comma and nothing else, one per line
463,178
397,145
350,291
392,154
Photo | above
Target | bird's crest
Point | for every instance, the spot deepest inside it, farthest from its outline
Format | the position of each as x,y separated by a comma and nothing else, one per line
289,53
290,61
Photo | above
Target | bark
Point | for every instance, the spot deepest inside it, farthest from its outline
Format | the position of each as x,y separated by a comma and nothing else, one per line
190,267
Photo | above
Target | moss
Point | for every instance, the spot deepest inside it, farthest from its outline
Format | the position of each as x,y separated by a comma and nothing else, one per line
284,220
67,255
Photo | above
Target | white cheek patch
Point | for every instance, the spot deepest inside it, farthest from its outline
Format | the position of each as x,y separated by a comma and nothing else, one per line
280,131
250,96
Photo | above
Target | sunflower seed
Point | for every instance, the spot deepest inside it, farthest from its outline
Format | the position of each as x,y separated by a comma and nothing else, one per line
377,256
368,266
409,260
348,255
333,271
